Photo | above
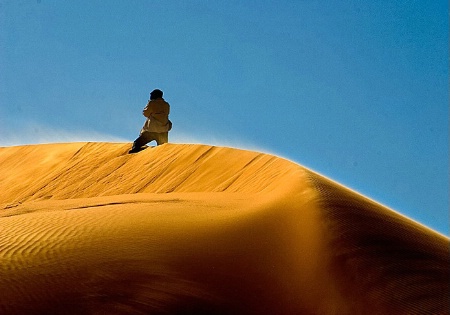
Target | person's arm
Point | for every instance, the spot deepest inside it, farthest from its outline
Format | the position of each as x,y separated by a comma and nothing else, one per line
147,112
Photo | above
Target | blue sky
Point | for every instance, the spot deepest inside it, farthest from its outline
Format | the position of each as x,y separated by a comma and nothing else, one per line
355,90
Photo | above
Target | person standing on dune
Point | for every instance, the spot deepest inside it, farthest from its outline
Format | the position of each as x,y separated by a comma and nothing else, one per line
157,125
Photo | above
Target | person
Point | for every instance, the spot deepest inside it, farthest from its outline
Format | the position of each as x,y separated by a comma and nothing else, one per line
157,125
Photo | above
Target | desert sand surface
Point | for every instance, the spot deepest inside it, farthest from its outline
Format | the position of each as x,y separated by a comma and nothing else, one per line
86,228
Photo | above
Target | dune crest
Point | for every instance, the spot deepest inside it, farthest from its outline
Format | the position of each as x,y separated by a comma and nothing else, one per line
86,228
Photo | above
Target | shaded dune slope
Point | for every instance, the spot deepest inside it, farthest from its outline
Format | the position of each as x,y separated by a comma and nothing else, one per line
86,228
401,267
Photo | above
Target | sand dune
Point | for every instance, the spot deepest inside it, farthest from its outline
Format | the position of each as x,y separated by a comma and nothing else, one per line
86,228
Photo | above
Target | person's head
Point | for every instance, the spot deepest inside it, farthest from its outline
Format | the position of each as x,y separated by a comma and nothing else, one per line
156,94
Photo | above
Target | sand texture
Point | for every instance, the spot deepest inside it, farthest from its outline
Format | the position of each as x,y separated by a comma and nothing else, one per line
86,228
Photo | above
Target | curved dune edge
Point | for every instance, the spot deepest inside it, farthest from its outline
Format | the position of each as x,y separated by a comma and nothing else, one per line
88,229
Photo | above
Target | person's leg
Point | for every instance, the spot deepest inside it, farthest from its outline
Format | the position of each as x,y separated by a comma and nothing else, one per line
142,140
162,138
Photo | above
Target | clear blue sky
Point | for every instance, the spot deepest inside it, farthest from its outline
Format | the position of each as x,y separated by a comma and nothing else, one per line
355,90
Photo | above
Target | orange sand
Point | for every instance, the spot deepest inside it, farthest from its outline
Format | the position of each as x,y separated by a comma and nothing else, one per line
86,228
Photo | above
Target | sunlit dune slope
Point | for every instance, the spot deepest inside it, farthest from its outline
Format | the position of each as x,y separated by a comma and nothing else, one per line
86,228
101,169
